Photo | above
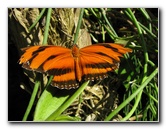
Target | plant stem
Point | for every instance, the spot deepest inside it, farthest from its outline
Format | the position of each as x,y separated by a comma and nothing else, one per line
78,25
47,26
38,18
32,99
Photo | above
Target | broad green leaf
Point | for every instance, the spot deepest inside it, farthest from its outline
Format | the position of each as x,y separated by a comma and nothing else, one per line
50,100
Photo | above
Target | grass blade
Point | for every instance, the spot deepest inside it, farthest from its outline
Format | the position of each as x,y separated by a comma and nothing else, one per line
138,91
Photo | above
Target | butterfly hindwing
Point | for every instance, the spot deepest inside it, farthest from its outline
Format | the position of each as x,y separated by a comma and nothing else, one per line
64,73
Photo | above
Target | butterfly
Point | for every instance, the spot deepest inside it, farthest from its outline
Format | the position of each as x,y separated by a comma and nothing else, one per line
70,66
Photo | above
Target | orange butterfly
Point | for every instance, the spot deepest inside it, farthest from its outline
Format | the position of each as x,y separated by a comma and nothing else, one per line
70,66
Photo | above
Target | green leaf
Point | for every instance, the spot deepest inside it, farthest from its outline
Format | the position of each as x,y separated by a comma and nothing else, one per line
50,100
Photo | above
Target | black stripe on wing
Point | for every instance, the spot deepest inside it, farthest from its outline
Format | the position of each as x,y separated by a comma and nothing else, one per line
58,71
108,46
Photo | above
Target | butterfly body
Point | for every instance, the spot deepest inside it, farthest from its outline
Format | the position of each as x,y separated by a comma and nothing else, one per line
70,66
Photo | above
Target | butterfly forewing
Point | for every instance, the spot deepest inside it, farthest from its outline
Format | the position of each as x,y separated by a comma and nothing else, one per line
35,56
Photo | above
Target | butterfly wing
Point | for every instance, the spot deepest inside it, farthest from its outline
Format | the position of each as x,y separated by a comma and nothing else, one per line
53,60
97,60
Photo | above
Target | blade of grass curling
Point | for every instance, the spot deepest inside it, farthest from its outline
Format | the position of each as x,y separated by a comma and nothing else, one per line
122,105
37,82
108,23
38,18
138,98
67,103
